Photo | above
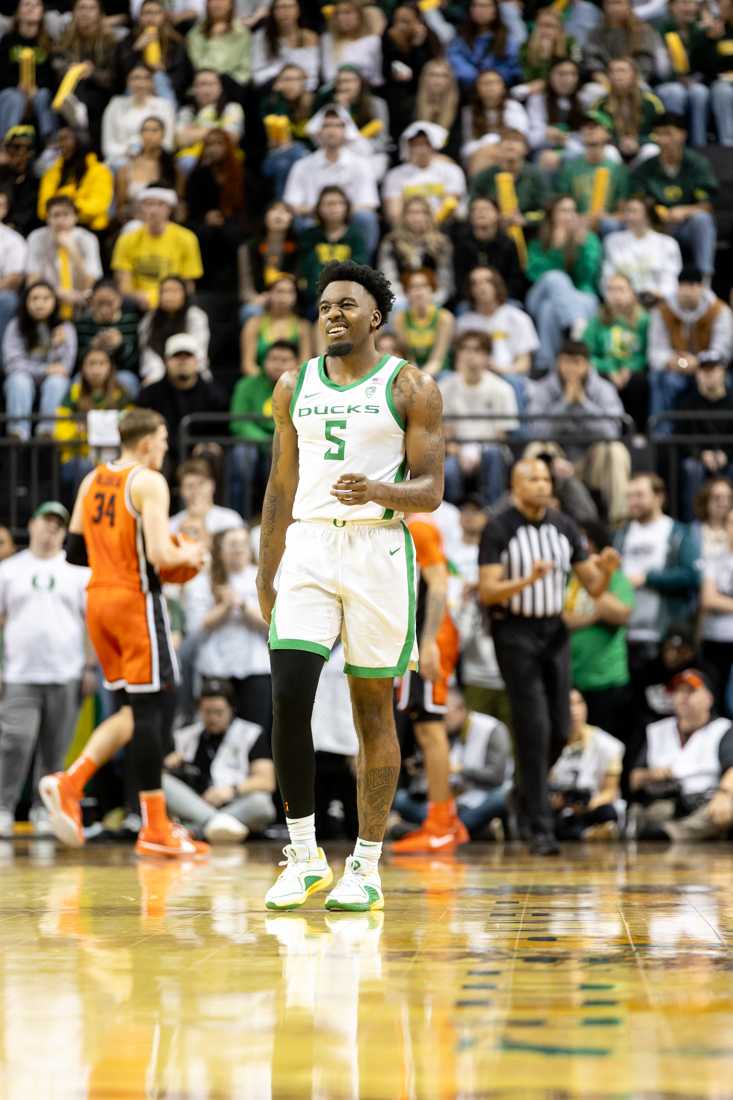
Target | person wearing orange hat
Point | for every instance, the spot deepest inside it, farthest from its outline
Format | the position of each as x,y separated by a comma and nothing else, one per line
682,785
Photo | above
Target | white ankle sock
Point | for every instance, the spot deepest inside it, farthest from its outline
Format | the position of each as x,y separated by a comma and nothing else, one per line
303,835
368,851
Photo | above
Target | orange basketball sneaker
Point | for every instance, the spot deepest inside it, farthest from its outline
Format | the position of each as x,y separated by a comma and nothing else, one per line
441,830
169,840
61,798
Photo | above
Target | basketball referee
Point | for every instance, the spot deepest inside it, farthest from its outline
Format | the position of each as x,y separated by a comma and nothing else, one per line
526,554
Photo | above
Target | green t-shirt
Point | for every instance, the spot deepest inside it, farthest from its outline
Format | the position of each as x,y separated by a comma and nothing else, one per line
316,252
530,185
617,346
598,653
693,181
576,177
253,395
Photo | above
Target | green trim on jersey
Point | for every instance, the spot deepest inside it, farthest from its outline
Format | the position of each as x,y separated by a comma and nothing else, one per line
275,642
399,476
350,386
366,673
298,386
388,394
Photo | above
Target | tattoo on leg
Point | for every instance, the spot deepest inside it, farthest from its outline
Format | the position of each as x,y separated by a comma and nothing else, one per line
376,793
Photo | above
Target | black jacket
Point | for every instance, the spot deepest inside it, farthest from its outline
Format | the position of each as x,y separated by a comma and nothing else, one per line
500,253
174,404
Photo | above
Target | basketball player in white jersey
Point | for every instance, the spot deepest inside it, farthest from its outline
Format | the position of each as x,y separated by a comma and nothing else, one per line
358,442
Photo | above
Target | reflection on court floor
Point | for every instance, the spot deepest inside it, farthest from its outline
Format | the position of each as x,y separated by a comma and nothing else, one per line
605,974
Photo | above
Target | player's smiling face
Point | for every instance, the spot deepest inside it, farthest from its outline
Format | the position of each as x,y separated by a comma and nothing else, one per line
347,317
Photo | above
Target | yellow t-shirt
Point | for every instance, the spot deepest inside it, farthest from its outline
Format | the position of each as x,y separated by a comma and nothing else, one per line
151,259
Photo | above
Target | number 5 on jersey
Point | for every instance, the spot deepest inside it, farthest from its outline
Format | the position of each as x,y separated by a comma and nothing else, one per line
336,452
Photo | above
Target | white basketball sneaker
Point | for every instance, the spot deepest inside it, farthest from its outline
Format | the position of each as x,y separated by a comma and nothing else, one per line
359,890
299,879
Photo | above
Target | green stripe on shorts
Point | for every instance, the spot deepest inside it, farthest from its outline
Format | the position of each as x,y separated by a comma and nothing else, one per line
275,642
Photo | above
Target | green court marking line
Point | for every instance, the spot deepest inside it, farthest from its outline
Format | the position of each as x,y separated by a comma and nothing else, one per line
597,1004
601,1021
478,985
597,985
521,1047
472,1003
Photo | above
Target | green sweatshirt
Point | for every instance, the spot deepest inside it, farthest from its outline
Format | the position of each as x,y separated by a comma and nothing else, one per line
652,110
576,177
693,181
530,185
224,53
253,395
618,345
586,269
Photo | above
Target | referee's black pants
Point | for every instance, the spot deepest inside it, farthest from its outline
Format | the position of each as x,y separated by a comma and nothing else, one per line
534,660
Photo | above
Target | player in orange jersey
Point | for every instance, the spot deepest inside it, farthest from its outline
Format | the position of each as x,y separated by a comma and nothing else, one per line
423,696
119,527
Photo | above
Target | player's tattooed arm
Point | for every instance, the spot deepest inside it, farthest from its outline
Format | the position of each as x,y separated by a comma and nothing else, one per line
277,508
419,402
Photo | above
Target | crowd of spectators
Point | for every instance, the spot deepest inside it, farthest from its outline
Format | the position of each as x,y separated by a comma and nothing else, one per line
534,180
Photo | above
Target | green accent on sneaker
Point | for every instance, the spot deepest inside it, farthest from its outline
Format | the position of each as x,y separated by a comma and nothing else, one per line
376,901
311,880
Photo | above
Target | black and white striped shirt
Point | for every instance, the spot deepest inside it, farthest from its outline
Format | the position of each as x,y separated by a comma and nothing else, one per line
512,540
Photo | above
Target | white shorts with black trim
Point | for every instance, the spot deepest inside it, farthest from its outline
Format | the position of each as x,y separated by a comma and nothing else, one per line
352,580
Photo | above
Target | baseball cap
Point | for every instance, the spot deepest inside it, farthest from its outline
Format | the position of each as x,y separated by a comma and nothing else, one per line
692,678
182,342
53,508
597,118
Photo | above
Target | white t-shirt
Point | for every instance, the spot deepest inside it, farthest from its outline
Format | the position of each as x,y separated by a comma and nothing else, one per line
511,330
582,765
364,53
717,626
13,251
217,519
42,601
440,179
645,549
651,263
492,396
232,649
309,176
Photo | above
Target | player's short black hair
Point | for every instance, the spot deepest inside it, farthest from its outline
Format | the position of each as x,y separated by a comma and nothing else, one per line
372,281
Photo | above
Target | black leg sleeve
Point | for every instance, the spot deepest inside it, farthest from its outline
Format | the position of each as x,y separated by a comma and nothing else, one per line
295,676
146,747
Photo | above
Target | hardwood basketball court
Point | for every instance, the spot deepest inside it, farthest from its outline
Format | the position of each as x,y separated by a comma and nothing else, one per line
605,974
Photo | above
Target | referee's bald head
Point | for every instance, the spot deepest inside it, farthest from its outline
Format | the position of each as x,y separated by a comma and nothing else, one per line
529,469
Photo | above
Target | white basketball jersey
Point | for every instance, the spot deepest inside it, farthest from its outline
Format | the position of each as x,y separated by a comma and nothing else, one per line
352,429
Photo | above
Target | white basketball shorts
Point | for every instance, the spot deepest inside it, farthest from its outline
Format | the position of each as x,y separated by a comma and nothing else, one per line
356,581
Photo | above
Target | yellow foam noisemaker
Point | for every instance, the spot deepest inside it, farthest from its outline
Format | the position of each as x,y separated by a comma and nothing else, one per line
428,5
272,274
446,208
599,194
277,128
68,85
152,53
678,53
662,212
66,281
506,195
559,6
327,10
372,128
27,67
